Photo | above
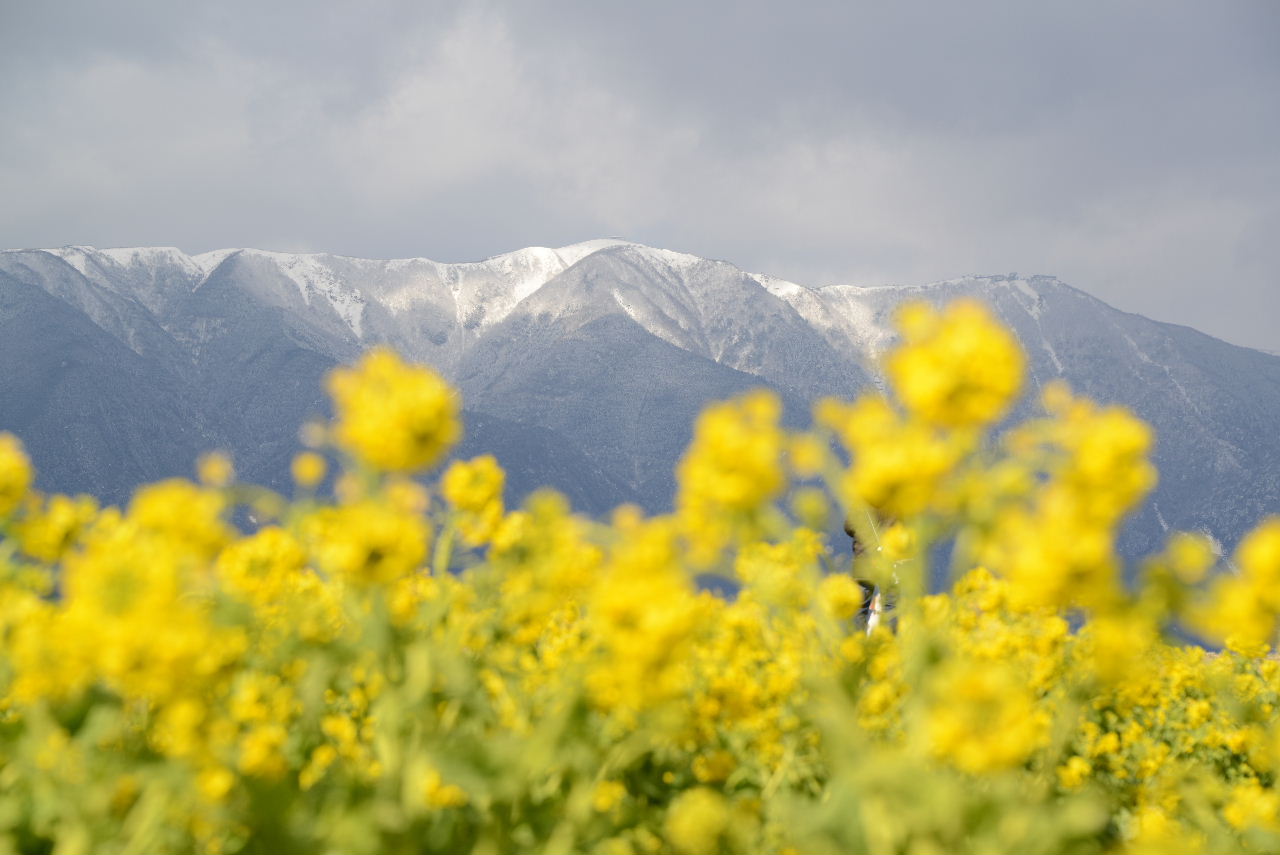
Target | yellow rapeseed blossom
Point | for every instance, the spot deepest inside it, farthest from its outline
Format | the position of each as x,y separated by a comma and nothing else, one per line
984,718
957,368
643,613
607,795
474,488
841,596
1245,608
264,569
1253,805
1259,556
732,469
437,794
308,469
1190,557
696,821
368,543
900,466
16,475
215,783
215,469
393,416
183,514
808,455
1074,772
55,525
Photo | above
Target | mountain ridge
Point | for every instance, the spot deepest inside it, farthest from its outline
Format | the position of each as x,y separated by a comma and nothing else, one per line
607,348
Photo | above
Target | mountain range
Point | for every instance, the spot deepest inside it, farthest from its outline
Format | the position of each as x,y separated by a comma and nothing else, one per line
581,367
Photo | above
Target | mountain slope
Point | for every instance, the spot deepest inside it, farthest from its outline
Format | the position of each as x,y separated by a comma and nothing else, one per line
581,367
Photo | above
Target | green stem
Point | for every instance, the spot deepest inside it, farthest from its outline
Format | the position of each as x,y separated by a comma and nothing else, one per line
444,551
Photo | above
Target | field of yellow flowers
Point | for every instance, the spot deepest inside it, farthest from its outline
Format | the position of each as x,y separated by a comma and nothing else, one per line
409,668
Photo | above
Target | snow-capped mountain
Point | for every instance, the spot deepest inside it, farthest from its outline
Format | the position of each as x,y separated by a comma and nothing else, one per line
581,367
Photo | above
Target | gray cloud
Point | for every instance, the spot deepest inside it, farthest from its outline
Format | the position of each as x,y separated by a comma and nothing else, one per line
1129,148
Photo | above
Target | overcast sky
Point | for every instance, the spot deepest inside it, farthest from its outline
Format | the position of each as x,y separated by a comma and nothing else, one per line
1129,148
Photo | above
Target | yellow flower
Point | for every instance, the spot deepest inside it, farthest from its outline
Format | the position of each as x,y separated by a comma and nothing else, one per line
732,469
393,416
841,596
811,508
643,613
1259,558
984,718
16,475
714,767
779,573
308,469
607,796
1190,556
474,488
215,469
177,730
899,466
321,759
1155,832
808,454
368,543
473,484
1253,806
184,513
215,783
1244,608
49,531
898,542
957,369
261,750
1119,644
1108,461
696,821
1072,774
438,794
263,567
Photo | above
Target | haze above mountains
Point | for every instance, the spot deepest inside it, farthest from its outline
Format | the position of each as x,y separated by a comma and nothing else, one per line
581,367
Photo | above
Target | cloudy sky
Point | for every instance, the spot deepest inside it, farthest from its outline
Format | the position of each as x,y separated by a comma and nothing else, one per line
1130,148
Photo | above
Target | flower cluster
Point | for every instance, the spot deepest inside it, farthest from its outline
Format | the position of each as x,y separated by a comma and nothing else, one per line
412,665
392,416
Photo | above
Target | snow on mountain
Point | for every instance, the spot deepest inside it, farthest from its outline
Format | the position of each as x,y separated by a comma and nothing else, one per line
315,277
586,364
482,293
207,261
